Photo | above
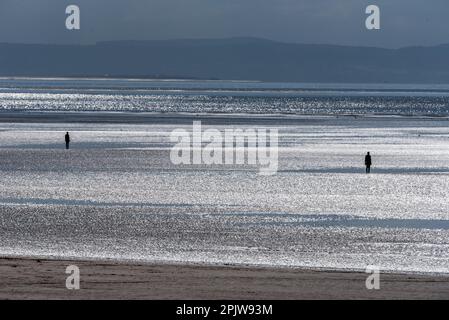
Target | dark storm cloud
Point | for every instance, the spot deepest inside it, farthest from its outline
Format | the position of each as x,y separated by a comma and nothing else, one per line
404,22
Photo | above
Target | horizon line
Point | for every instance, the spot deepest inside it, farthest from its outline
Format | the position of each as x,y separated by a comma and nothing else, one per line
99,42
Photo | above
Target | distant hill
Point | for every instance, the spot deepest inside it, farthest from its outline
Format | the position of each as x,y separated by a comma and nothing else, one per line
236,58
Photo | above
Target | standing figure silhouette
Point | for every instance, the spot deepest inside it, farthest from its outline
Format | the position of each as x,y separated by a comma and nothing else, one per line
67,141
368,163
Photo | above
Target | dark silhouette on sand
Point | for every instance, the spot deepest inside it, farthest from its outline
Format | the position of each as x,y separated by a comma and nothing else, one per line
67,141
368,162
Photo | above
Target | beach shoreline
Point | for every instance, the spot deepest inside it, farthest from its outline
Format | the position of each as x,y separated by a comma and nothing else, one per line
32,278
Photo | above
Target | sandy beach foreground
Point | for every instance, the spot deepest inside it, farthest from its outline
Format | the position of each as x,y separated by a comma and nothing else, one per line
45,279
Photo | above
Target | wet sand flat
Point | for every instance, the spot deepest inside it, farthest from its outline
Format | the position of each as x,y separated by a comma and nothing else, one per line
116,196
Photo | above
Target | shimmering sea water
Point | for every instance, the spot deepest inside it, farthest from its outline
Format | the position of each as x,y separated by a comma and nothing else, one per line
222,97
116,194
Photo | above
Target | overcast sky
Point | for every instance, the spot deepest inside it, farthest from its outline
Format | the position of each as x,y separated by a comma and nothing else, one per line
403,22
